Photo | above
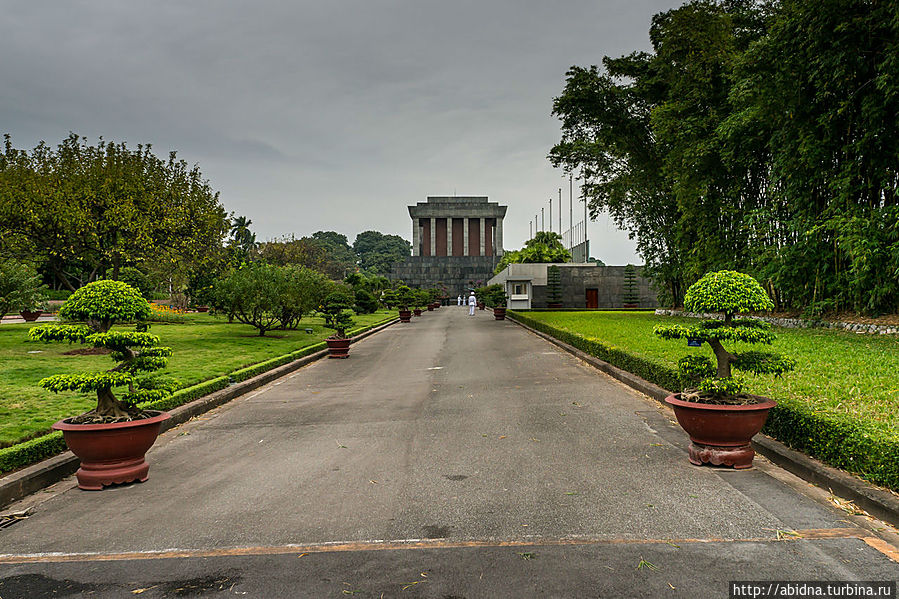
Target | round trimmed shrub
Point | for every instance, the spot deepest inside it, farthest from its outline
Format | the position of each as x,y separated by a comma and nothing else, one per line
103,303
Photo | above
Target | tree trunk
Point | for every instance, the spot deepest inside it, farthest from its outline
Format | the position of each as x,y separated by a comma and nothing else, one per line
108,406
723,357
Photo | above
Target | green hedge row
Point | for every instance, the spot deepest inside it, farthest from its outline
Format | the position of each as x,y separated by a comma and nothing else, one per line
35,450
29,452
832,438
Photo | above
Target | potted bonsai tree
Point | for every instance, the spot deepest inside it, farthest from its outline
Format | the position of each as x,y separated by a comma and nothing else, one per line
433,302
337,312
404,300
422,299
21,290
495,297
111,439
720,419
631,295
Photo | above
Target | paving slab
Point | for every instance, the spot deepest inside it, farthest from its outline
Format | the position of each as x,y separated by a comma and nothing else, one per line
460,447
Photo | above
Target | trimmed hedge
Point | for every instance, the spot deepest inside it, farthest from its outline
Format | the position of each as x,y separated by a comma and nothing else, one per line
833,439
29,452
51,444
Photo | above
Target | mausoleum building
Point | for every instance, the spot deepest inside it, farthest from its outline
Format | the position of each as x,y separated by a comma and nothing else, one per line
457,241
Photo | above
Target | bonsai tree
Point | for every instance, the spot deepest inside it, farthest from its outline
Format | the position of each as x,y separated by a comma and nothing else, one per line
388,298
729,293
101,304
422,298
405,297
553,287
337,309
495,296
20,288
631,296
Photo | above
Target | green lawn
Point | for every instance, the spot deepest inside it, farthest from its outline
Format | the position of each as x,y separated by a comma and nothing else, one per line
837,372
205,347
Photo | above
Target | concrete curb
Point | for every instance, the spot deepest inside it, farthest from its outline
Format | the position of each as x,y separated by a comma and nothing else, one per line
876,501
24,482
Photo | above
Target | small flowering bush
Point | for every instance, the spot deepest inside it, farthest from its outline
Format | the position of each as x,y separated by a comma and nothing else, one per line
136,353
729,293
164,313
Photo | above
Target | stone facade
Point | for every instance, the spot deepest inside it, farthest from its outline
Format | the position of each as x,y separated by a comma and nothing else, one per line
603,286
457,241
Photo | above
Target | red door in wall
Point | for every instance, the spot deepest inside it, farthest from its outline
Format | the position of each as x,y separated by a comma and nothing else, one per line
592,298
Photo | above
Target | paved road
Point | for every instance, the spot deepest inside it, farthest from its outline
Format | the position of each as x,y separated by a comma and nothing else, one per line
451,457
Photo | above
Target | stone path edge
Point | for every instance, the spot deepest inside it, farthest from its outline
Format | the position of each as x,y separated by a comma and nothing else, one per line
877,502
19,485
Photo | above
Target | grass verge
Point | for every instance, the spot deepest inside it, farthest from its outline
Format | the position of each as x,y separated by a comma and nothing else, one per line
206,349
841,405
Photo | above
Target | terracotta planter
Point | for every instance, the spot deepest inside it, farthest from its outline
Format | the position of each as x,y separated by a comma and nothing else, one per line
417,311
554,305
30,316
111,453
499,313
338,348
481,305
631,306
202,308
405,316
430,307
720,435
436,305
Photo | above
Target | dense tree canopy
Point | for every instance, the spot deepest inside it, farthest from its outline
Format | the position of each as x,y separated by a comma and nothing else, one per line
377,252
84,211
545,246
758,137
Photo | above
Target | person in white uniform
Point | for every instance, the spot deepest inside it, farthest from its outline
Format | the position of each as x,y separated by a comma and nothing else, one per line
472,302
459,301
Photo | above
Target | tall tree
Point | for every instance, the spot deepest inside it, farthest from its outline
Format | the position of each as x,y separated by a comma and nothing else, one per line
377,252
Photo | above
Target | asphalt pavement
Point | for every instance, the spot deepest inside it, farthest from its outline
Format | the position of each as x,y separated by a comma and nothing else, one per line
455,456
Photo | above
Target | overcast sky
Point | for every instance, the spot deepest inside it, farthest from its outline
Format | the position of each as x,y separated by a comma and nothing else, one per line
325,115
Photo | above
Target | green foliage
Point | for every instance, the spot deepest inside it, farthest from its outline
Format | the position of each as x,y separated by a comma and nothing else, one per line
73,333
720,388
269,297
81,209
728,292
694,368
103,303
337,312
494,296
30,452
544,247
553,285
20,288
404,297
365,302
755,137
377,253
86,382
388,298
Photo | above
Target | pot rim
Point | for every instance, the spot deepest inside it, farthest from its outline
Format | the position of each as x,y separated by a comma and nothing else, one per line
675,401
62,425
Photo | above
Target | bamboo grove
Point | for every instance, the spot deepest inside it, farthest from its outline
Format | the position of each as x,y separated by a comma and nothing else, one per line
756,136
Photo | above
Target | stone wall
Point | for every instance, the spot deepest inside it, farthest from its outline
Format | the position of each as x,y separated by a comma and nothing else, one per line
609,283
456,273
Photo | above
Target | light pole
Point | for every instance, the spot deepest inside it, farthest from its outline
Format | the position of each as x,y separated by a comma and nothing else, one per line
542,221
550,215
570,212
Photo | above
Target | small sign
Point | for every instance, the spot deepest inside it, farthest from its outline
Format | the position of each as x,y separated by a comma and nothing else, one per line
694,342
309,331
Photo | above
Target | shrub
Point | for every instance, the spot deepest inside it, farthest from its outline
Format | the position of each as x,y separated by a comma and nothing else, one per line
20,288
495,296
103,303
337,310
631,294
727,292
404,297
366,303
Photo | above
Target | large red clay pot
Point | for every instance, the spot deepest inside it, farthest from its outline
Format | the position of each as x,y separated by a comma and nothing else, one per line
720,435
481,305
111,453
338,348
430,307
417,311
30,316
202,308
405,315
499,313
